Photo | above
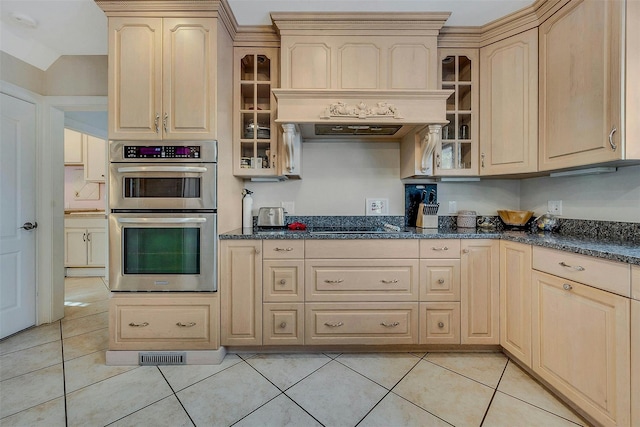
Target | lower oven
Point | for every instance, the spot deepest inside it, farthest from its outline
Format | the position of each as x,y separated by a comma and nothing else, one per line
162,251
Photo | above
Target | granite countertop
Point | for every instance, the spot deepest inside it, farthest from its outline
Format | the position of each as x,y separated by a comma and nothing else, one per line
84,213
614,250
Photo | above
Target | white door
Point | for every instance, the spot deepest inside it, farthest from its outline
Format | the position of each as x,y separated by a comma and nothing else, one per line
18,214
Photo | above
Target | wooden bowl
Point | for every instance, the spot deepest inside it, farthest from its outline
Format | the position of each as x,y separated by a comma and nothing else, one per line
516,218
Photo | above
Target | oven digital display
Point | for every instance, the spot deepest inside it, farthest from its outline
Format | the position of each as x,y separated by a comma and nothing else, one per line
161,152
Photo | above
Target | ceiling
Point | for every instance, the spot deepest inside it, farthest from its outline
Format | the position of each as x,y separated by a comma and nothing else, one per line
40,31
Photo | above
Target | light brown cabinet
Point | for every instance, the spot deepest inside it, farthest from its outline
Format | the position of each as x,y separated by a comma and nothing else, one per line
163,322
479,299
635,362
509,105
581,86
241,292
515,300
162,74
581,346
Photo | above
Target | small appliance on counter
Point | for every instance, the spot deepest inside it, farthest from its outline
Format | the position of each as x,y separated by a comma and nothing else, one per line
271,217
466,219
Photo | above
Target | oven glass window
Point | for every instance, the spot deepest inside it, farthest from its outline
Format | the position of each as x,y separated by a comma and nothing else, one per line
179,188
161,250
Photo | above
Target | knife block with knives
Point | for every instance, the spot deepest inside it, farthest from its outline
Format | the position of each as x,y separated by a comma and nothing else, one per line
428,212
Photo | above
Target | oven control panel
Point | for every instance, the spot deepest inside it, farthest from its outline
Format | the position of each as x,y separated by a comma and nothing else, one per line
161,152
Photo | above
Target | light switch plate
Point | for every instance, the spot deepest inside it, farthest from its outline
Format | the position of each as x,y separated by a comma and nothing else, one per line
377,206
554,207
289,207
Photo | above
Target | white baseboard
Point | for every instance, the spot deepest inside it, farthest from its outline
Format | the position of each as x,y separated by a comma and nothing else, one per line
84,272
194,357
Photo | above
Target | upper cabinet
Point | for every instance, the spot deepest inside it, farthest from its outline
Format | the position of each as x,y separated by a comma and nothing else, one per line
72,147
94,156
583,95
509,105
161,78
254,132
457,154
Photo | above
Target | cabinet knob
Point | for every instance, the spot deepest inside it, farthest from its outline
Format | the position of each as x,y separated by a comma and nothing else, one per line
283,325
567,287
441,281
257,251
465,251
186,325
440,325
283,282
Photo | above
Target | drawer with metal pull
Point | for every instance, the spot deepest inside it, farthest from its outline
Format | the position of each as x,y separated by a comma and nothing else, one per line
361,280
439,323
283,249
600,273
440,248
361,323
283,280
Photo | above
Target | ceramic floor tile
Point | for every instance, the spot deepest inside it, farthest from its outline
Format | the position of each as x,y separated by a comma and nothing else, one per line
517,383
90,369
85,324
506,411
420,355
486,368
48,414
31,338
450,396
114,398
284,370
167,412
31,389
83,344
281,411
30,359
76,295
183,376
395,411
228,396
336,396
385,369
83,309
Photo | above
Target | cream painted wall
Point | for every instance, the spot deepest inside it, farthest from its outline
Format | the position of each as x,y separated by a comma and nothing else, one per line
84,75
609,197
19,73
338,177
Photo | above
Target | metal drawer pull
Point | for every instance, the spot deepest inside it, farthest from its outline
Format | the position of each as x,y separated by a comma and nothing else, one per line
567,287
390,325
576,268
440,325
139,325
333,325
334,281
283,249
441,281
283,282
613,145
155,122
186,325
283,325
444,248
390,281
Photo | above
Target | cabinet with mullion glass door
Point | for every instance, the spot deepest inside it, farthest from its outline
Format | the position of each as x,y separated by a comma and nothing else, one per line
255,134
457,154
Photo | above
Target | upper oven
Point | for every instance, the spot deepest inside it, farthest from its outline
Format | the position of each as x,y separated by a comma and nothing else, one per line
179,176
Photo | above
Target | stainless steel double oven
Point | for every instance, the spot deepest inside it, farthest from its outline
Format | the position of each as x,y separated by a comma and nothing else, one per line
162,221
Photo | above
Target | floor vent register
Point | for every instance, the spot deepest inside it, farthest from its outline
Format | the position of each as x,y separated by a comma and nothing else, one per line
165,358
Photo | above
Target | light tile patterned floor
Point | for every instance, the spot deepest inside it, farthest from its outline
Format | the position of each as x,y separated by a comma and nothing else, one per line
55,375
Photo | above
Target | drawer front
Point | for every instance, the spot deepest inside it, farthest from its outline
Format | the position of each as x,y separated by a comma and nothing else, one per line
283,324
369,248
440,248
163,322
602,274
283,280
283,249
440,280
439,323
361,280
361,323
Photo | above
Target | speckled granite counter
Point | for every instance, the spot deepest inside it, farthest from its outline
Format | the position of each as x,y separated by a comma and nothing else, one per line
621,251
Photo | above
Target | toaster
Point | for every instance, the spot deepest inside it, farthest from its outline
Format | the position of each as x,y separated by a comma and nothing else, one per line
271,217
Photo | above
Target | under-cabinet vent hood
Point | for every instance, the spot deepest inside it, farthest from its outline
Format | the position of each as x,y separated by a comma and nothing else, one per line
371,76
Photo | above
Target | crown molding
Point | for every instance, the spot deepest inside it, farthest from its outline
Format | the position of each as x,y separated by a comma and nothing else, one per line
256,35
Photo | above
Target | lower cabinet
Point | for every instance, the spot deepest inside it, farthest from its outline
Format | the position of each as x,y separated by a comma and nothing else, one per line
283,324
635,362
164,322
515,300
85,243
581,346
439,323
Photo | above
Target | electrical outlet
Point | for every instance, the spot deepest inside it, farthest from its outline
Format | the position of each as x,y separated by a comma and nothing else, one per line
289,207
377,207
453,207
554,207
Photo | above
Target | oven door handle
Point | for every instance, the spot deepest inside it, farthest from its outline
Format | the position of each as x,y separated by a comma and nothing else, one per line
197,169
161,220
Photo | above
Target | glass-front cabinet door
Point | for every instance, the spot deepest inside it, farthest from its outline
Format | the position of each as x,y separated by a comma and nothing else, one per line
457,155
255,132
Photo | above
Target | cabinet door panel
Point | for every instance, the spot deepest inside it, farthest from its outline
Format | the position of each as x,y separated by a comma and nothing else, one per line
95,159
75,247
72,147
96,247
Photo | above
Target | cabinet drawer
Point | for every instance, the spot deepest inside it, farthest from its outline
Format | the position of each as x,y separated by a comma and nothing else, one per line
142,323
361,280
602,274
440,280
440,248
283,324
439,323
283,281
361,323
370,248
283,249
